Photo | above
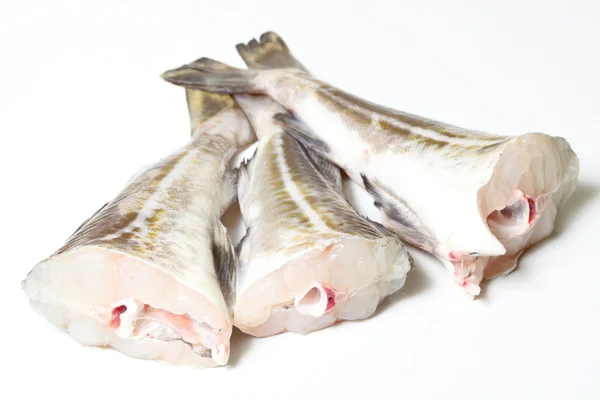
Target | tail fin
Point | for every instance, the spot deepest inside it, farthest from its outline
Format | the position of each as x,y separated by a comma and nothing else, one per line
204,105
213,76
271,52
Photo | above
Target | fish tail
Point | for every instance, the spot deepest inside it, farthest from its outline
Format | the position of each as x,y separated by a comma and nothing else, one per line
270,52
204,105
213,76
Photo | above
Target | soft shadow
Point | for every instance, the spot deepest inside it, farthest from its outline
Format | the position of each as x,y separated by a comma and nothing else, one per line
360,199
232,219
239,344
572,209
417,282
575,205
584,194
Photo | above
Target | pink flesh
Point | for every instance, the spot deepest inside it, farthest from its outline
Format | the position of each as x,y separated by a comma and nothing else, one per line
330,297
532,215
115,320
536,206
182,324
456,255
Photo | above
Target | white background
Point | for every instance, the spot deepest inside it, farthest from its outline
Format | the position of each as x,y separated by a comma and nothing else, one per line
82,108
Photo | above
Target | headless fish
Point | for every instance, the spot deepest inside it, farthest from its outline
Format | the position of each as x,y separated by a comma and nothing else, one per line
152,273
308,258
475,200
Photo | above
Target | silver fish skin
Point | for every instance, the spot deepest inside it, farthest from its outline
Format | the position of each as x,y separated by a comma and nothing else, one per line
308,258
152,273
475,200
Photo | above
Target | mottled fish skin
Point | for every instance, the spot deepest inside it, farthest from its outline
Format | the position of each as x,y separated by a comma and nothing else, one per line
168,216
291,208
290,197
431,180
169,213
163,228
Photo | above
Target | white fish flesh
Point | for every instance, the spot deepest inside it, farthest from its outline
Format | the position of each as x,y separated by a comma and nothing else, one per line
152,273
308,258
475,200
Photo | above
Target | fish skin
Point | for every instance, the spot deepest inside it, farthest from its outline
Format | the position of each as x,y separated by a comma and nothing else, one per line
152,215
291,198
291,209
168,214
437,171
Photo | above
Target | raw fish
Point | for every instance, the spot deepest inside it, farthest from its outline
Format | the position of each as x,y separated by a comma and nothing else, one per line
152,273
308,258
475,200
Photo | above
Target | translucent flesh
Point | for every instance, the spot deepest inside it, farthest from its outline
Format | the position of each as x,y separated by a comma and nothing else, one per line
78,291
361,272
533,177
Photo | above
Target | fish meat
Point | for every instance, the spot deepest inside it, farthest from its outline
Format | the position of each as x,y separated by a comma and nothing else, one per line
308,259
475,200
152,273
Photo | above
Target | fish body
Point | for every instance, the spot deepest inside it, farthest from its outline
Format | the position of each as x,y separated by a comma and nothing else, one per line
308,258
151,273
473,199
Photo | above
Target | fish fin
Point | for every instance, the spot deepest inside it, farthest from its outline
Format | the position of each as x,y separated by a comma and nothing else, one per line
225,262
329,170
204,105
89,219
230,182
302,133
382,228
240,245
399,217
213,76
271,52
316,150
243,177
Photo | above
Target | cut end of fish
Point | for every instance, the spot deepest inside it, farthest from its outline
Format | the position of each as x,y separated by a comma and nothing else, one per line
109,299
344,281
533,176
126,313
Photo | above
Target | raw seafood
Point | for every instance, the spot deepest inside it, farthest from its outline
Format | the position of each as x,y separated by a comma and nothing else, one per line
308,258
473,199
152,273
